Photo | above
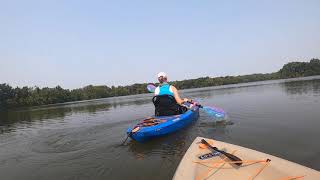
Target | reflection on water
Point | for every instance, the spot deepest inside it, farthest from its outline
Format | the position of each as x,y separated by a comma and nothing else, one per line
302,87
82,140
59,112
162,146
51,113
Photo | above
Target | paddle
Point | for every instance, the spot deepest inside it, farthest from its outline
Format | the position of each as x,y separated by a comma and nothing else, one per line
151,87
228,155
210,110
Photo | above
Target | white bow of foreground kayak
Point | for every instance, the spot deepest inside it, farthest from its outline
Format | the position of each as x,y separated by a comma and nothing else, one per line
255,165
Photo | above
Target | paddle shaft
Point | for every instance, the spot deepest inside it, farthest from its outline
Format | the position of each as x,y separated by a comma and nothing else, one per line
228,155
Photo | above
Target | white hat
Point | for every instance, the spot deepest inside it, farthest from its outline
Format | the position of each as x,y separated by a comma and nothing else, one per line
161,74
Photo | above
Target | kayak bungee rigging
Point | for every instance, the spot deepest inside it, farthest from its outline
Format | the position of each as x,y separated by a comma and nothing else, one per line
204,160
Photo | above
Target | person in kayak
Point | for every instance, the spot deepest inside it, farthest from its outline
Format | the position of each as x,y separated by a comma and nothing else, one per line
167,100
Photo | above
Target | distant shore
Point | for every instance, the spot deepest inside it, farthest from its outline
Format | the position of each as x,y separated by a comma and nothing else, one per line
34,96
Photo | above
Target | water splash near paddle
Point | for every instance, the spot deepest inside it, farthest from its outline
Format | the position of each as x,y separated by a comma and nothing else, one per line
214,112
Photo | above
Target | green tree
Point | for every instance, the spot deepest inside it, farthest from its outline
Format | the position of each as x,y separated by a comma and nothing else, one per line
6,94
34,96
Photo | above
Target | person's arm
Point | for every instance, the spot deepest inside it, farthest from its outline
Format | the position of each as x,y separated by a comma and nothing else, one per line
177,97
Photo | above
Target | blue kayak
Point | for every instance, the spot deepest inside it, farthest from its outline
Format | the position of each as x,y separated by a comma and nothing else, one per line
157,126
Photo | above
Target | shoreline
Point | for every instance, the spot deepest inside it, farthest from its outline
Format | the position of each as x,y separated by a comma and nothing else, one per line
236,85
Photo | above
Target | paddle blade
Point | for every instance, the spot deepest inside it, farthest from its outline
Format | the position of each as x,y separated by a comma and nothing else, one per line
151,87
214,111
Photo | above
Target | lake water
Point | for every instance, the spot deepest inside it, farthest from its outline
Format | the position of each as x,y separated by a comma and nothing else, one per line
82,140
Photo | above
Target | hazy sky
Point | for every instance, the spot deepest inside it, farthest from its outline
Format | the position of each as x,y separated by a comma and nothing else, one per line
75,43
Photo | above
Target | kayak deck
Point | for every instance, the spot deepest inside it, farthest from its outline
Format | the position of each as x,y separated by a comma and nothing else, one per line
162,125
255,165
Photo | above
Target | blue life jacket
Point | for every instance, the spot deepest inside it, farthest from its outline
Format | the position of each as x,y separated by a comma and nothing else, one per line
164,89
165,103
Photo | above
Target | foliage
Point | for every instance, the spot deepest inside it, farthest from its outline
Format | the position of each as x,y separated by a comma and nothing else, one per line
35,96
300,69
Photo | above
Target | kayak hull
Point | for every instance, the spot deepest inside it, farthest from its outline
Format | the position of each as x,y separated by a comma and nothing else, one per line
217,166
169,125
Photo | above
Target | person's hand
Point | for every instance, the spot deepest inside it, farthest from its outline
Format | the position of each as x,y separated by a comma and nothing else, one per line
185,100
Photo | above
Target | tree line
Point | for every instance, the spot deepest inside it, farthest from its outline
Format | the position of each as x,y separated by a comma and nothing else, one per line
34,96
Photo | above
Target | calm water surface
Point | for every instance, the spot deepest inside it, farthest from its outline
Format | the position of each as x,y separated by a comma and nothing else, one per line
82,140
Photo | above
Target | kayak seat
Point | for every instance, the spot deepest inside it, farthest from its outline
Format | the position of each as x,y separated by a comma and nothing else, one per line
166,105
